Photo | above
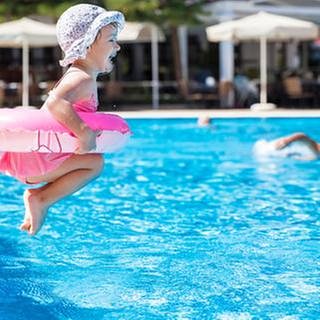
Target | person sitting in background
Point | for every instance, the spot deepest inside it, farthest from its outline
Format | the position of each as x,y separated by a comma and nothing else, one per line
297,145
246,90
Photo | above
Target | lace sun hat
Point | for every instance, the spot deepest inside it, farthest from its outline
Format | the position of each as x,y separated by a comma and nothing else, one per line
78,27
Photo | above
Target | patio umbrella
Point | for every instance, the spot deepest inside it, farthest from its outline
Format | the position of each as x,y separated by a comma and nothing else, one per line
263,27
146,32
25,33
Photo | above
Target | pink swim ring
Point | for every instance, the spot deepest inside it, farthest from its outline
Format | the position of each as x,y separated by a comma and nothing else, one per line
26,129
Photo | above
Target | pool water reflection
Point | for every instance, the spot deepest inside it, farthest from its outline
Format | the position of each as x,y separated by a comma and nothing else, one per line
184,223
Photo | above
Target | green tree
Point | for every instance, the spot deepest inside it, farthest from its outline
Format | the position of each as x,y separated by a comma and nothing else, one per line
14,9
167,14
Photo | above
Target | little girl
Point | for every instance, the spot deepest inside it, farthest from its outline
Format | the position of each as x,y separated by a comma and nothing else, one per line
87,35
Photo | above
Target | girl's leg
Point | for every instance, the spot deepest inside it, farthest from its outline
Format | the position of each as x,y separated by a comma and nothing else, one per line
72,175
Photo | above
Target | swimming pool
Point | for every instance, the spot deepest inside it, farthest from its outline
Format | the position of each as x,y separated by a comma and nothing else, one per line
183,224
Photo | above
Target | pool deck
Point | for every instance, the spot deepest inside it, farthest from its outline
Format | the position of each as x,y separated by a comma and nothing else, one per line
219,113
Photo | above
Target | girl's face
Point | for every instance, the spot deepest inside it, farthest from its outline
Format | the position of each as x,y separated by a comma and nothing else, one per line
104,48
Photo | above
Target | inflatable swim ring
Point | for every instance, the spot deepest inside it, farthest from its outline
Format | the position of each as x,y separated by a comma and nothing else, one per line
300,150
25,129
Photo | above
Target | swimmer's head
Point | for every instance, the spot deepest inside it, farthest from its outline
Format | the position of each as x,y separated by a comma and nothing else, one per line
204,121
263,148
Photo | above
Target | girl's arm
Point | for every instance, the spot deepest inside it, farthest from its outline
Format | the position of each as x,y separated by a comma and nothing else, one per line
62,110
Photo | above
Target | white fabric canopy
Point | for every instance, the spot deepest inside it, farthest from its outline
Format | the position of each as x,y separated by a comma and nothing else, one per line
37,34
139,32
25,33
263,26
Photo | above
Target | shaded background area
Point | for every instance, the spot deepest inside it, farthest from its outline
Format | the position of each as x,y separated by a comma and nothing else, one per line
191,69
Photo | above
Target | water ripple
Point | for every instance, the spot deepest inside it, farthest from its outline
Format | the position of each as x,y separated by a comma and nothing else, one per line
182,224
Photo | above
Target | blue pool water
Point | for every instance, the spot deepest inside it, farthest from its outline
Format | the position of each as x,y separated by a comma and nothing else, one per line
183,224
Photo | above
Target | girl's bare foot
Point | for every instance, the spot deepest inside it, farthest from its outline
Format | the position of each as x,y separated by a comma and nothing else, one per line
25,226
35,213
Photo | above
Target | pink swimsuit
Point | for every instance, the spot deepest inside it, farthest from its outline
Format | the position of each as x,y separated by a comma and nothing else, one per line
24,165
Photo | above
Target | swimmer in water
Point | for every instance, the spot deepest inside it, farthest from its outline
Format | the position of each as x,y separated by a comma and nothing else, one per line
205,122
297,145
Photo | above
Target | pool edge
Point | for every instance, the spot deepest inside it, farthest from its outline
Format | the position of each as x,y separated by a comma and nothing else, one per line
219,113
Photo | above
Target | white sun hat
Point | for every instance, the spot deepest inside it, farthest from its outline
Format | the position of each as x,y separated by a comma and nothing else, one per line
78,27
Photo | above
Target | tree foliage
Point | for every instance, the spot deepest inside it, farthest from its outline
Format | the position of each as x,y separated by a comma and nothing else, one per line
14,9
162,12
166,13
